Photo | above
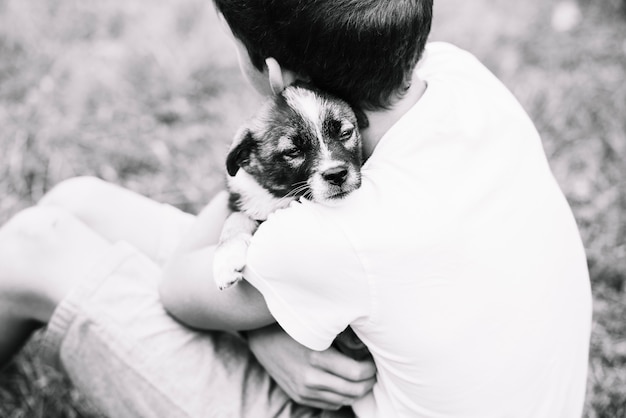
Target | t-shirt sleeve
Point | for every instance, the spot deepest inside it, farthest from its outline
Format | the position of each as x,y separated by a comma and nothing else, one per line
309,273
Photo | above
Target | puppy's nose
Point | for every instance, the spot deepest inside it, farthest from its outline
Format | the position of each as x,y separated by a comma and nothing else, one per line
336,175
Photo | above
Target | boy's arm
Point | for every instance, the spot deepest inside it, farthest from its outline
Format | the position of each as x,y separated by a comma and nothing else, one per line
324,379
321,379
188,290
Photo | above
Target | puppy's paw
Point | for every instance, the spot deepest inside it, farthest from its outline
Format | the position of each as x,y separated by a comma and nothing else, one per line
229,280
229,261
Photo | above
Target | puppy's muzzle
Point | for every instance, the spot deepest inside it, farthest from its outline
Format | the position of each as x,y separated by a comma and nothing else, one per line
336,175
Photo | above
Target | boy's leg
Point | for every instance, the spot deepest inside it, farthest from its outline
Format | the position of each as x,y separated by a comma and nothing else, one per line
118,214
113,212
111,334
35,271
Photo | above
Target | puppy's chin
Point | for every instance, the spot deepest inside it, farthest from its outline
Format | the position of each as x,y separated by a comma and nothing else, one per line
329,192
340,194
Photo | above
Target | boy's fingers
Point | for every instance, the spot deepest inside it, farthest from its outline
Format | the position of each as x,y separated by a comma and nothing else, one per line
342,390
343,366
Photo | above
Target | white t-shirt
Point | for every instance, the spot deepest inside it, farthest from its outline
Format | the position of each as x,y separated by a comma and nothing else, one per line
458,262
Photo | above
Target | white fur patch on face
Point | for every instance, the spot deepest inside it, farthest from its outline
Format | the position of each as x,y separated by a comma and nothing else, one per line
256,201
312,108
308,104
284,143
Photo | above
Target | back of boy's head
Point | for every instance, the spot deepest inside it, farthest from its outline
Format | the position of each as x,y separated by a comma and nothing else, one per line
363,51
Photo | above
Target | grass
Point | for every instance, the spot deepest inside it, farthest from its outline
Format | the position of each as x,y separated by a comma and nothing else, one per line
147,95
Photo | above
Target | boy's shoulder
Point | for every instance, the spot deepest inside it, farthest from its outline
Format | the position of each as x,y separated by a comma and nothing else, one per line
462,87
443,58
461,94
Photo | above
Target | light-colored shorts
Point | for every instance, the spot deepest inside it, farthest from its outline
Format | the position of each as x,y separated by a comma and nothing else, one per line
117,344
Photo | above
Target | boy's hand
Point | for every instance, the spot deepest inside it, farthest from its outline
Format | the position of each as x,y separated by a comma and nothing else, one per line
321,379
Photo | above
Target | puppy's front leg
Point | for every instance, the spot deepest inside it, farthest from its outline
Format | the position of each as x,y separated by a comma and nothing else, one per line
230,254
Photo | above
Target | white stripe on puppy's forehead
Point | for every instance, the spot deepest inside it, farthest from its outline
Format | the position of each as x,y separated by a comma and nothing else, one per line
312,108
308,104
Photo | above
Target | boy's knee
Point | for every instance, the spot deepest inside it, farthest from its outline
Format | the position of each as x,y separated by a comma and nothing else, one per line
76,195
42,250
25,238
33,223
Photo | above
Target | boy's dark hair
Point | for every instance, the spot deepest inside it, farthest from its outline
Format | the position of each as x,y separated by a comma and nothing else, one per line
363,51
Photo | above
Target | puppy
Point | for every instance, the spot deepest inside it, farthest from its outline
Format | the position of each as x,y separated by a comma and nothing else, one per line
303,143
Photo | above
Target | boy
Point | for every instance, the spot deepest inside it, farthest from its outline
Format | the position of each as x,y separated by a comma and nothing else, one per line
451,262
458,262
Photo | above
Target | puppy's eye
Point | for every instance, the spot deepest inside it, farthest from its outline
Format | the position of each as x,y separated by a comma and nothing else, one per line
291,153
346,134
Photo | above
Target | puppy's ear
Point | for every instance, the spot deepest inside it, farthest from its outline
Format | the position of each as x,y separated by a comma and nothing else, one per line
239,154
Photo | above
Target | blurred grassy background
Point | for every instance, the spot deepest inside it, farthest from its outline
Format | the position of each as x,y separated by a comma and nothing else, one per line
147,94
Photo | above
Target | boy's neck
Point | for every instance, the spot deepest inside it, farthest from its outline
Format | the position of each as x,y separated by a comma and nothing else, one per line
382,120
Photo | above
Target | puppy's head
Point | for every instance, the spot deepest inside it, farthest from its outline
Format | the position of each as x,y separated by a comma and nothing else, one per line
302,143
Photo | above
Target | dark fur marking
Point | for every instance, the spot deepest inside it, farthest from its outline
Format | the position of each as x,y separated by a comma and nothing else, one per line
240,155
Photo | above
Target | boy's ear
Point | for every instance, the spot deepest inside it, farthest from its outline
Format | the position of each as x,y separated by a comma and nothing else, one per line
279,78
275,75
239,154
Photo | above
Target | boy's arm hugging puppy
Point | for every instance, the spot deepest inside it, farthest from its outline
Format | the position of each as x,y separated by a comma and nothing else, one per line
303,143
457,261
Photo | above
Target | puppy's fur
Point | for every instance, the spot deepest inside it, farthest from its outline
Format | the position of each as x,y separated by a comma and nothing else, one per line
302,143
